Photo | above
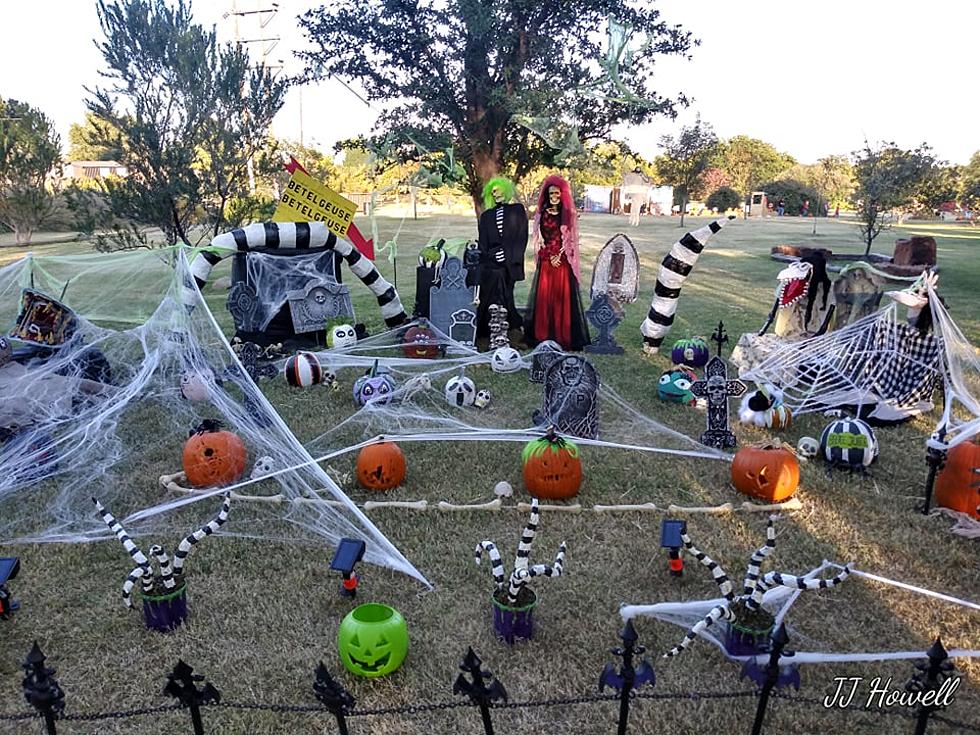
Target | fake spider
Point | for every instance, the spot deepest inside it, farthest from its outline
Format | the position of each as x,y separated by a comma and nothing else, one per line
753,588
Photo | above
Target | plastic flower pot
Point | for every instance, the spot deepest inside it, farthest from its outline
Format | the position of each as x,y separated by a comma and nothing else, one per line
744,640
512,623
166,612
372,640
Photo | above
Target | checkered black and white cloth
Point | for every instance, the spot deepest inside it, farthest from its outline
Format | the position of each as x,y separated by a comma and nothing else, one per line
906,365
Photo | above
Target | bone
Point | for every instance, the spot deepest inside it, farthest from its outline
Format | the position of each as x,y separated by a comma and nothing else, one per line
708,509
411,505
791,504
453,507
644,507
576,508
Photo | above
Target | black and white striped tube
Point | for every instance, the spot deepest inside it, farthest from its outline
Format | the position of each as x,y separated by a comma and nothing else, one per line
496,564
187,545
143,564
713,616
755,563
674,270
773,579
527,538
166,568
717,573
301,236
520,577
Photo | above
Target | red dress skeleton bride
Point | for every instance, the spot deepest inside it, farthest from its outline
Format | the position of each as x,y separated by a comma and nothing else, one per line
554,309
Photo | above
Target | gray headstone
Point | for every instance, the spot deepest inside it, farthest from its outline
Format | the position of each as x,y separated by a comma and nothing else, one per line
616,271
462,326
451,296
319,302
545,354
604,316
245,308
571,397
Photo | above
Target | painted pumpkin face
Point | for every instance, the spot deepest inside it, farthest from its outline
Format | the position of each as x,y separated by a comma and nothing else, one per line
958,483
196,386
505,359
674,386
552,468
460,391
693,352
368,389
380,466
213,457
373,640
341,337
769,473
421,342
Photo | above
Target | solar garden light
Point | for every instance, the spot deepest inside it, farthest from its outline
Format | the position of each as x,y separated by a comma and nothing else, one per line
349,552
670,539
9,566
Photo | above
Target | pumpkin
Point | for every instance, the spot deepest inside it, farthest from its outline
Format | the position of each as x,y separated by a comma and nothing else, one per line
213,456
693,352
674,386
380,466
341,336
958,483
779,417
421,342
552,467
849,443
303,370
372,640
768,473
373,386
460,391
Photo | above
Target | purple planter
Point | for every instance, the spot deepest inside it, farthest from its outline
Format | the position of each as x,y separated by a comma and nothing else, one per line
164,613
512,623
744,641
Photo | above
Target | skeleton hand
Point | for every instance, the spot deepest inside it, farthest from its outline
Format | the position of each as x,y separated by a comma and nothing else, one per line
499,256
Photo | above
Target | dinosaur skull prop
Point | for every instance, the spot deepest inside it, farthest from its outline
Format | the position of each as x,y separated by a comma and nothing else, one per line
794,281
505,360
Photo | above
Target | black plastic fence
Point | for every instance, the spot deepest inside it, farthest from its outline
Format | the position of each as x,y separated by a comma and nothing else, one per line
476,688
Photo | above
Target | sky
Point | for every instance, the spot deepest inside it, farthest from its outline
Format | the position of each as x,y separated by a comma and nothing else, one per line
812,79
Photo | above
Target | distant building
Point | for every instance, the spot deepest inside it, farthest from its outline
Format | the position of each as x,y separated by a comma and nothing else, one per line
609,199
92,170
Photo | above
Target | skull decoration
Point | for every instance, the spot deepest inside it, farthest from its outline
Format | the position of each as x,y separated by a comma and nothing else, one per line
506,360
460,391
808,447
341,337
263,466
196,385
373,386
482,399
372,640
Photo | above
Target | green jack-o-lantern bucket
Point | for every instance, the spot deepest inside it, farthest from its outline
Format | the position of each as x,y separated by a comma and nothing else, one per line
373,640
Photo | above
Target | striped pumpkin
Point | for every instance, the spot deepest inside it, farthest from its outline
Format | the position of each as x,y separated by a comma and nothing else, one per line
850,443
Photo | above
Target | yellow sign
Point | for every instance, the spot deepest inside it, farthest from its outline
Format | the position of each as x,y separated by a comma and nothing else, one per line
307,200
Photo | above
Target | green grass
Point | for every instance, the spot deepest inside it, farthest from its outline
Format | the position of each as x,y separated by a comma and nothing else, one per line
263,614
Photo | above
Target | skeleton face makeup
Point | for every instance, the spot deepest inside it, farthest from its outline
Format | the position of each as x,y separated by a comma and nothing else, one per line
497,194
554,195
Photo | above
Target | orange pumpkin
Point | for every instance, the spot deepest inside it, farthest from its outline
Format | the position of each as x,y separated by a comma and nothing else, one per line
380,466
213,456
768,473
958,483
552,467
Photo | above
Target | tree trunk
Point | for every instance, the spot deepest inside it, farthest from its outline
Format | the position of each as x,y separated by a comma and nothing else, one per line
485,166
683,209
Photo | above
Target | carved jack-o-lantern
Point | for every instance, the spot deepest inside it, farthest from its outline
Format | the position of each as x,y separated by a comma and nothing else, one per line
552,467
213,457
372,640
768,473
958,483
421,342
380,466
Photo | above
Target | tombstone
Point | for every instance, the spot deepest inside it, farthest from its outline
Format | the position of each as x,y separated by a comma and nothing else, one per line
717,389
545,354
603,315
571,398
317,303
451,302
857,293
616,271
499,327
247,311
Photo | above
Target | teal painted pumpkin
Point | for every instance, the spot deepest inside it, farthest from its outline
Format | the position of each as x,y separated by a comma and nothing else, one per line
373,640
674,386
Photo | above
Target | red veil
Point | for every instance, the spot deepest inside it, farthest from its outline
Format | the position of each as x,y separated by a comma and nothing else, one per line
569,220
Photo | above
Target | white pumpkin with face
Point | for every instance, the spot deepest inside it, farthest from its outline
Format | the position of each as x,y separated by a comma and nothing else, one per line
460,391
506,360
341,337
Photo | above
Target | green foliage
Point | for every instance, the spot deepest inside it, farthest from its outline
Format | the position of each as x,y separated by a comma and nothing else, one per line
724,198
461,72
88,207
191,117
749,162
970,184
793,193
685,158
29,150
606,163
93,141
710,180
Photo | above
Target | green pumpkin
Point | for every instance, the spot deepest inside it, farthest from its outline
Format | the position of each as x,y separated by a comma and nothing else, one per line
372,640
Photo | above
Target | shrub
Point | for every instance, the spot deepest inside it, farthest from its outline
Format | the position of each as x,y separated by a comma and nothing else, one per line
723,199
793,193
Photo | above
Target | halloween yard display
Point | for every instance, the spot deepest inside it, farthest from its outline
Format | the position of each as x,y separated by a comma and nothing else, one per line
506,360
164,593
380,466
571,403
749,624
717,388
604,316
849,443
803,304
373,640
616,271
674,386
552,467
691,352
374,386
460,391
502,241
674,270
303,370
769,473
958,482
420,342
554,310
451,307
483,398
513,601
213,456
341,336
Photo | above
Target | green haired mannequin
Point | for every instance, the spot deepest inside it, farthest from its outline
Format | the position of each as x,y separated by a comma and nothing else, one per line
505,187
